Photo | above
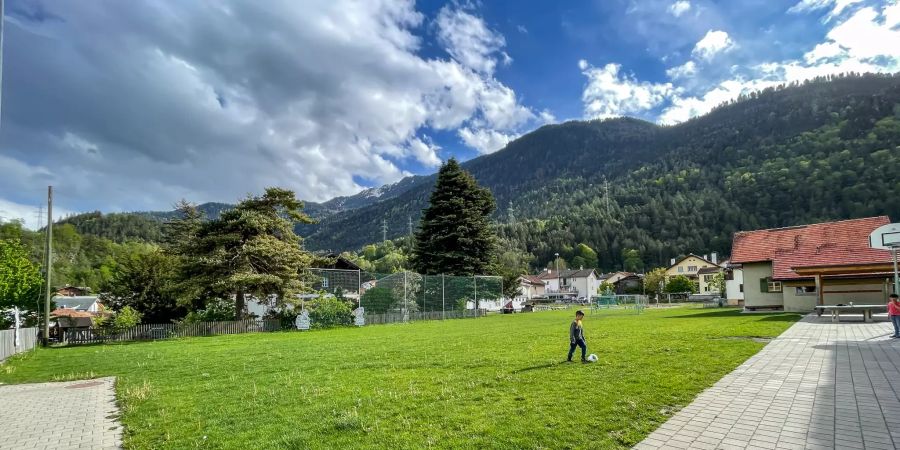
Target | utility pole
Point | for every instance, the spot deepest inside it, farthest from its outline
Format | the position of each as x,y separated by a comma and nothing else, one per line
49,258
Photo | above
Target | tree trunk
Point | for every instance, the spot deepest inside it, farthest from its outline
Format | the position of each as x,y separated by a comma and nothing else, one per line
239,305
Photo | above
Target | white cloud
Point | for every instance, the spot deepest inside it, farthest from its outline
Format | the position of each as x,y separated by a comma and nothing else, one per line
827,50
863,36
862,41
483,140
469,41
609,94
680,7
683,71
713,43
190,100
805,6
683,108
425,152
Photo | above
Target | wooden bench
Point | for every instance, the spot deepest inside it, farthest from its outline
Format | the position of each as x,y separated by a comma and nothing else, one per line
836,310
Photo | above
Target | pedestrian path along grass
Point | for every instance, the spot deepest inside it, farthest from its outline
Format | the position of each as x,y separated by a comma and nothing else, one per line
495,382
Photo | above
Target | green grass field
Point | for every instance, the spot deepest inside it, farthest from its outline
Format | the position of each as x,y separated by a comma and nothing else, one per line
497,381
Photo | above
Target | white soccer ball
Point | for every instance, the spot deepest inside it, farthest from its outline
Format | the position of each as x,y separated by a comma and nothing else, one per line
592,357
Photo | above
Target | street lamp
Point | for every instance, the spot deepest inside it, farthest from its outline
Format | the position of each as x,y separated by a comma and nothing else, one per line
558,282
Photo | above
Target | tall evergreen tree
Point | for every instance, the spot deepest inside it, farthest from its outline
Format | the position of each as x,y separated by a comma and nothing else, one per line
251,249
455,235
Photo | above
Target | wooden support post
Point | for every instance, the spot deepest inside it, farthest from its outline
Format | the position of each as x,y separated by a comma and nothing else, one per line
820,294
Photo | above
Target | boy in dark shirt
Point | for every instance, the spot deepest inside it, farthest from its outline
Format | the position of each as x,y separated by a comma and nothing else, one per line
576,337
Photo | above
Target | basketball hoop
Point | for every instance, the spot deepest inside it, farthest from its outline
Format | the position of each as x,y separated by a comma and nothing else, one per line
887,237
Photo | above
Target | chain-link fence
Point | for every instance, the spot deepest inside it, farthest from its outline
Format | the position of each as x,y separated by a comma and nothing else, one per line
405,296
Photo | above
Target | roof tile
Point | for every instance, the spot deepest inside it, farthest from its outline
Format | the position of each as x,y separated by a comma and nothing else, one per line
828,243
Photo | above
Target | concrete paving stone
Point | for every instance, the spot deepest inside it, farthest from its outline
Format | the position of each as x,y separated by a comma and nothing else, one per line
819,384
842,444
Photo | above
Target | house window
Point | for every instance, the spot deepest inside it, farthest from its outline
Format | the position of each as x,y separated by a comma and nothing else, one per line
806,290
741,287
680,269
707,278
774,286
692,268
324,282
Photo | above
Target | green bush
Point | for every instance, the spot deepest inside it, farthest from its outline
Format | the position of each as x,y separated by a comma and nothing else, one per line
378,300
326,312
117,321
218,310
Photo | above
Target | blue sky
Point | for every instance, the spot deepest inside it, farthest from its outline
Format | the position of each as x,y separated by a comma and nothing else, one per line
135,105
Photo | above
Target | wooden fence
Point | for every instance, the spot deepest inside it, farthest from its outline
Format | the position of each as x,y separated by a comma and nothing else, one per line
28,339
146,332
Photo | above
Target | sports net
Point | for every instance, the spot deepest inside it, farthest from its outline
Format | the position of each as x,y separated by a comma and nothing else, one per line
405,296
611,304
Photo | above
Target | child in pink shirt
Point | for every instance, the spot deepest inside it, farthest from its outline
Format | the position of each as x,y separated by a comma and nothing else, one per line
894,313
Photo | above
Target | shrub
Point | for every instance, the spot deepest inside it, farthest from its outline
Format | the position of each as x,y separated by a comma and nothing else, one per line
127,317
328,312
216,310
680,284
378,300
116,322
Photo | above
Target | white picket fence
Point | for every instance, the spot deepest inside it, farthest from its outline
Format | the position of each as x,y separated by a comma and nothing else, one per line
28,339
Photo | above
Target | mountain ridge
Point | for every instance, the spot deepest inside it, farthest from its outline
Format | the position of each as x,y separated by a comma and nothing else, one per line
553,183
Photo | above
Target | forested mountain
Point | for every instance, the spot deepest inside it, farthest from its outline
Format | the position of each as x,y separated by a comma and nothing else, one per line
820,150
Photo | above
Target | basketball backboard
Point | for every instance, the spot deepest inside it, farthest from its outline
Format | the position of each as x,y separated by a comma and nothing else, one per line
885,237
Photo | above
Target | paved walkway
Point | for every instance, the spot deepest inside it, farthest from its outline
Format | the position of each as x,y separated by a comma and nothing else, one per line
818,385
70,415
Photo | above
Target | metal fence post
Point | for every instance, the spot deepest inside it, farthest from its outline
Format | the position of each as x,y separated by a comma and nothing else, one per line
443,300
475,282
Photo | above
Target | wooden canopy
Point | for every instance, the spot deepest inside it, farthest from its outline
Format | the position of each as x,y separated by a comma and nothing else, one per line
835,270
844,269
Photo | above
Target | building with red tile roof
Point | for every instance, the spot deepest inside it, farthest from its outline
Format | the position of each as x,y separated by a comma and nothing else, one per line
771,258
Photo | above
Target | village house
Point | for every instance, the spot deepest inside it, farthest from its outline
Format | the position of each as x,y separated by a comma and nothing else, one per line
690,267
613,277
630,284
73,291
531,286
797,268
706,279
82,303
734,284
74,313
570,284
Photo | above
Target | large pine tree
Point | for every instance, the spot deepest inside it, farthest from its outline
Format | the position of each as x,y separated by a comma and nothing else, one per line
455,236
250,249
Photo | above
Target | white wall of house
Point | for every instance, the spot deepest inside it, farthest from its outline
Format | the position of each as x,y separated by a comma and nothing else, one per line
552,284
734,288
753,296
586,286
